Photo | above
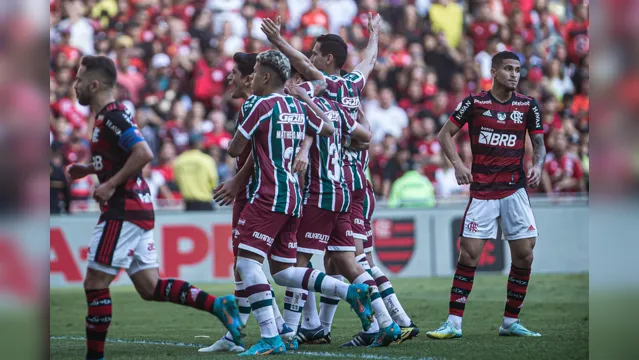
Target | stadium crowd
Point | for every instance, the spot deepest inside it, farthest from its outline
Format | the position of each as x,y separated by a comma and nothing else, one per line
174,56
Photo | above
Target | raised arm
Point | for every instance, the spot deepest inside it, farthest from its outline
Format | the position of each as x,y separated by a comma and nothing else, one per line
298,60
370,54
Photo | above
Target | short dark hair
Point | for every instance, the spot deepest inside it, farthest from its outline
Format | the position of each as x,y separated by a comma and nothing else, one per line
342,72
499,58
245,62
103,66
334,45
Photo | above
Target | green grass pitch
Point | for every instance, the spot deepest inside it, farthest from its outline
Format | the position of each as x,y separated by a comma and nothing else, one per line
556,306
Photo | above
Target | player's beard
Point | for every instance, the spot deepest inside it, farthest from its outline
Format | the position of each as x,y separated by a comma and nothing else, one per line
84,99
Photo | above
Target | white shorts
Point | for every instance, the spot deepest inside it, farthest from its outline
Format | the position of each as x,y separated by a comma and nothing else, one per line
117,244
514,213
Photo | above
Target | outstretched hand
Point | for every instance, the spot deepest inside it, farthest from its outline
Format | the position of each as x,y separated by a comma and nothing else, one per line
373,23
271,29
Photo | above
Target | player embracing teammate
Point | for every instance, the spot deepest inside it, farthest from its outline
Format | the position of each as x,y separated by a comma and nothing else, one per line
497,122
329,225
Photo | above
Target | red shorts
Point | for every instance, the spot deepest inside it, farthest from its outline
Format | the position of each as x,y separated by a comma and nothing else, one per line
263,232
369,243
238,206
322,230
357,214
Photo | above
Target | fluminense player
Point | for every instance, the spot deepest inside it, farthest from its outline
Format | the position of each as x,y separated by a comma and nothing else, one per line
123,237
497,122
364,256
276,124
330,226
236,191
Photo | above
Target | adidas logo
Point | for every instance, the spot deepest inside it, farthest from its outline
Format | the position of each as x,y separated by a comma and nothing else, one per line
531,228
487,113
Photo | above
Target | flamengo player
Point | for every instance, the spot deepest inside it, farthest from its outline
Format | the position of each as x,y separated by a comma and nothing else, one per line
123,237
236,191
276,125
497,122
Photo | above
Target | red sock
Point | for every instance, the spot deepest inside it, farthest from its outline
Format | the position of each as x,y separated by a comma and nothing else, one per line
516,291
462,284
97,321
183,293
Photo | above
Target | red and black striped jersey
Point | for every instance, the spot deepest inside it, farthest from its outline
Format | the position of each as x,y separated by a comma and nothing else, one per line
114,134
497,134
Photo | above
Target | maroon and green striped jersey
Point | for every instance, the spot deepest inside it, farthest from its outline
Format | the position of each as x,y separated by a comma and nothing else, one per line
325,186
276,126
347,91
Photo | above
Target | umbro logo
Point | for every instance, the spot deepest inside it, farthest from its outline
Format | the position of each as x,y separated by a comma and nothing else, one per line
487,113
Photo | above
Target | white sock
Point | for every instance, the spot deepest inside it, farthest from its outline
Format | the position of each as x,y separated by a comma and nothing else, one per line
508,321
259,295
279,320
391,302
455,320
328,307
310,318
381,314
312,280
243,304
293,304
374,327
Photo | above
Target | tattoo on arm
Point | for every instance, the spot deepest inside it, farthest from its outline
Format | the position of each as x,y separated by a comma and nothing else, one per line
374,41
539,150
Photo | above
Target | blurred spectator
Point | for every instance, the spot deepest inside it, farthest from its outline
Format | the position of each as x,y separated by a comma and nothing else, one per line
157,184
447,17
564,168
395,168
412,189
386,117
196,176
58,187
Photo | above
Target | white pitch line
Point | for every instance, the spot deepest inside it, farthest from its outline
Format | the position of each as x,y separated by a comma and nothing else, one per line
311,353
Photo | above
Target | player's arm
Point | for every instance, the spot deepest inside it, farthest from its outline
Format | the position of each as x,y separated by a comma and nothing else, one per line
225,193
536,133
358,133
300,164
456,121
317,119
370,54
250,114
298,60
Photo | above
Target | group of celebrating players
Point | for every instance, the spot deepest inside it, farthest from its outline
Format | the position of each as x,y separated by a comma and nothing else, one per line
300,189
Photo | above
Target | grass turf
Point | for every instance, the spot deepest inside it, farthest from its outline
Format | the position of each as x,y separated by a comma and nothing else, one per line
556,306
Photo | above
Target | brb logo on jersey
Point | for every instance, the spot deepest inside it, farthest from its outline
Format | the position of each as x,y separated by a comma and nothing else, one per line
487,136
294,119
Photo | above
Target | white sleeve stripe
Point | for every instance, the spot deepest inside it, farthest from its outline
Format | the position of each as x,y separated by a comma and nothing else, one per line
243,132
320,127
353,128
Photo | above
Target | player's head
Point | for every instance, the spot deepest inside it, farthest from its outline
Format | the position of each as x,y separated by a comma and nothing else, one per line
296,78
96,74
505,70
240,77
272,69
329,53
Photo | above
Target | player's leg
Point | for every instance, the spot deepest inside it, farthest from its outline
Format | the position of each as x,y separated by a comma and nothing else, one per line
520,229
479,223
226,343
144,274
310,315
312,236
285,274
341,250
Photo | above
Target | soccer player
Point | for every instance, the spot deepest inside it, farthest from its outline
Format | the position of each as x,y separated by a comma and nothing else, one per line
497,122
364,256
275,124
314,236
123,237
235,191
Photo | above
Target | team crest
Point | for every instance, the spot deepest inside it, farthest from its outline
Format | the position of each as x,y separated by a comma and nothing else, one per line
517,117
394,242
501,116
